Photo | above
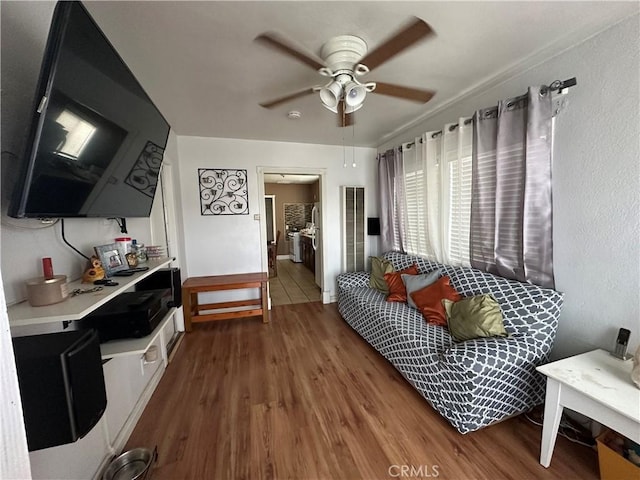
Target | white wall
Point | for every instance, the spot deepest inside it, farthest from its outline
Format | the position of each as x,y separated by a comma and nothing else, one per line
596,183
224,244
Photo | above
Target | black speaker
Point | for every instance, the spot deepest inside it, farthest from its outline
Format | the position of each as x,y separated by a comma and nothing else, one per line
61,386
373,226
164,278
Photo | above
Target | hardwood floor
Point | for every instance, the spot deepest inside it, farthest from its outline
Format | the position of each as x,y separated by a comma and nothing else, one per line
294,284
304,397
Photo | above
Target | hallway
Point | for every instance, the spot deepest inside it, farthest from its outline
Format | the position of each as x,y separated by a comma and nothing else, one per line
294,284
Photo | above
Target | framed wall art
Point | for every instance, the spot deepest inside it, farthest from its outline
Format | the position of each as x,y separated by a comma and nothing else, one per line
223,192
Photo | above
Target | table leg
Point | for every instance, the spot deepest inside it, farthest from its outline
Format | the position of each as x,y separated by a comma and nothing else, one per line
265,302
186,299
552,415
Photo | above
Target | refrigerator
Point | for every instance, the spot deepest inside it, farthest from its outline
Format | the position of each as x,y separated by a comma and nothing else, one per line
316,219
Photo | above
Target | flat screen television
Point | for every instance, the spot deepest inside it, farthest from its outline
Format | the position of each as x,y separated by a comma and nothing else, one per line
96,140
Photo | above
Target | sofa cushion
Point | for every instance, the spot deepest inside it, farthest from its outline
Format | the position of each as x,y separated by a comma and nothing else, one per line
380,266
413,283
474,317
397,291
527,309
429,300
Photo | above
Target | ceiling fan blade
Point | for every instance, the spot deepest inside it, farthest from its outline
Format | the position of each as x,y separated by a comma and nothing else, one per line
404,38
408,93
344,119
279,43
292,96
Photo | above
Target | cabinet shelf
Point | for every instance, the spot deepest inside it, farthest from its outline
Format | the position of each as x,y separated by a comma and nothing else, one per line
75,308
133,346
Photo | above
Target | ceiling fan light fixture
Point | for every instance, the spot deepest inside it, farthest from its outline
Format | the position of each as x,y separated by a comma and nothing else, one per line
331,94
352,108
354,94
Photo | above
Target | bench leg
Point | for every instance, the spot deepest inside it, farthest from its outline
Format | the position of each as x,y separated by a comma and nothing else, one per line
265,302
186,296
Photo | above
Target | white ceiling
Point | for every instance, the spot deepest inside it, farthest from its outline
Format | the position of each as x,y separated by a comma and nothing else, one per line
200,65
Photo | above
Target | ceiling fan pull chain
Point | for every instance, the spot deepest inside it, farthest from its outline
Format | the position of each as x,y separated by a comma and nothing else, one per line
353,143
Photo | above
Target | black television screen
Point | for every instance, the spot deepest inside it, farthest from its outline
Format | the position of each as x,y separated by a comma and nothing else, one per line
96,141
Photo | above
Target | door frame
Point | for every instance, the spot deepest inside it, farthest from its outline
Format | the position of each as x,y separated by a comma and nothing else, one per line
322,174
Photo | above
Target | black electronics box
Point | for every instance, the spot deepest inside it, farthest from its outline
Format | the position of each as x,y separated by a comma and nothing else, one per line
130,315
164,278
373,226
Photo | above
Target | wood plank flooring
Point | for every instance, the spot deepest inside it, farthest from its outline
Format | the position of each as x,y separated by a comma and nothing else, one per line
295,283
304,397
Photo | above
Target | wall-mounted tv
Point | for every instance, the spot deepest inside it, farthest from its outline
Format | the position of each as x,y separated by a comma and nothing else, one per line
96,141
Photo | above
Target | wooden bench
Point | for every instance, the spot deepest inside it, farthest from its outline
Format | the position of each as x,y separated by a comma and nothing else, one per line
195,285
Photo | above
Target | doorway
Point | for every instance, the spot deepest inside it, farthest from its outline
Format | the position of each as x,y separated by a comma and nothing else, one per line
297,211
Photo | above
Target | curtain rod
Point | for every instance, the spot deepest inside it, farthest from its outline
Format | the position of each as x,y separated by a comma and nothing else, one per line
556,85
559,85
435,134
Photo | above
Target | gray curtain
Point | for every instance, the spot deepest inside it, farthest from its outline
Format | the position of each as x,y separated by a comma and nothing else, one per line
391,188
511,211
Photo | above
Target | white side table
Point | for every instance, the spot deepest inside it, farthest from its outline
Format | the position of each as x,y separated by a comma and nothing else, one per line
595,384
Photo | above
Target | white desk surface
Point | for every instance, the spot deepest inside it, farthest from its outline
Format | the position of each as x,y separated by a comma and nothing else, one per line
600,376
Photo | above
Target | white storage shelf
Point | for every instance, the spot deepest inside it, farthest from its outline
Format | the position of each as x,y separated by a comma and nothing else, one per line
75,308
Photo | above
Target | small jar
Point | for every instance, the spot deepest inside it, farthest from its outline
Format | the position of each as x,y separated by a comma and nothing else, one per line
132,259
124,243
140,251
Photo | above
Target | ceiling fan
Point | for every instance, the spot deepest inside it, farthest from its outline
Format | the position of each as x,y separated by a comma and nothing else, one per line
344,60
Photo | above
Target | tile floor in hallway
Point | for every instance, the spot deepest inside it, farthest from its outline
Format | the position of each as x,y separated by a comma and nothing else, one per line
294,284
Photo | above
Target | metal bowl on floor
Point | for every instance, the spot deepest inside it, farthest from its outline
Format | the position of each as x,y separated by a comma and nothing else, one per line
131,465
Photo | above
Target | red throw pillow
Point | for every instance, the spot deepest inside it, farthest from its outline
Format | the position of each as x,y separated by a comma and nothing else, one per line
429,300
397,290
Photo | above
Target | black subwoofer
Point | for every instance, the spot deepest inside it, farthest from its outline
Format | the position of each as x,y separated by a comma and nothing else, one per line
61,386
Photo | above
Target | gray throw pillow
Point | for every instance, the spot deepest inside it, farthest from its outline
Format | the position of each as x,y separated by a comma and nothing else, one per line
413,283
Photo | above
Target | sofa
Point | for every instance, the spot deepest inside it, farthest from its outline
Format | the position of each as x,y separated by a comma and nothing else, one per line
472,383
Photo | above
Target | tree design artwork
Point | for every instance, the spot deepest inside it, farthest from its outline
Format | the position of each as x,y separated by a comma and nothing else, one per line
223,192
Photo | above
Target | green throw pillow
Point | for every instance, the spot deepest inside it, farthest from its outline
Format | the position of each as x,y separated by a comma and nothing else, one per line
413,283
380,266
474,317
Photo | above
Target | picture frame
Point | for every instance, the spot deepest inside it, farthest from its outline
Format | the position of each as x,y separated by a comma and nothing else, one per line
112,257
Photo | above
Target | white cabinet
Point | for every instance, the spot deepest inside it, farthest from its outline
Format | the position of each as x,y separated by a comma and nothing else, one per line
128,381
353,229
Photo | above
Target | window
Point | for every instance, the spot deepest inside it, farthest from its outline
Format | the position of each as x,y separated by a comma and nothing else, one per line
457,154
437,176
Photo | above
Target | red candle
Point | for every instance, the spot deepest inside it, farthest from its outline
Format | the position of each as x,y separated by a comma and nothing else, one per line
47,268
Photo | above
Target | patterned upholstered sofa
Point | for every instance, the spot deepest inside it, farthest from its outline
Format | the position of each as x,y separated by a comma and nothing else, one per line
472,383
